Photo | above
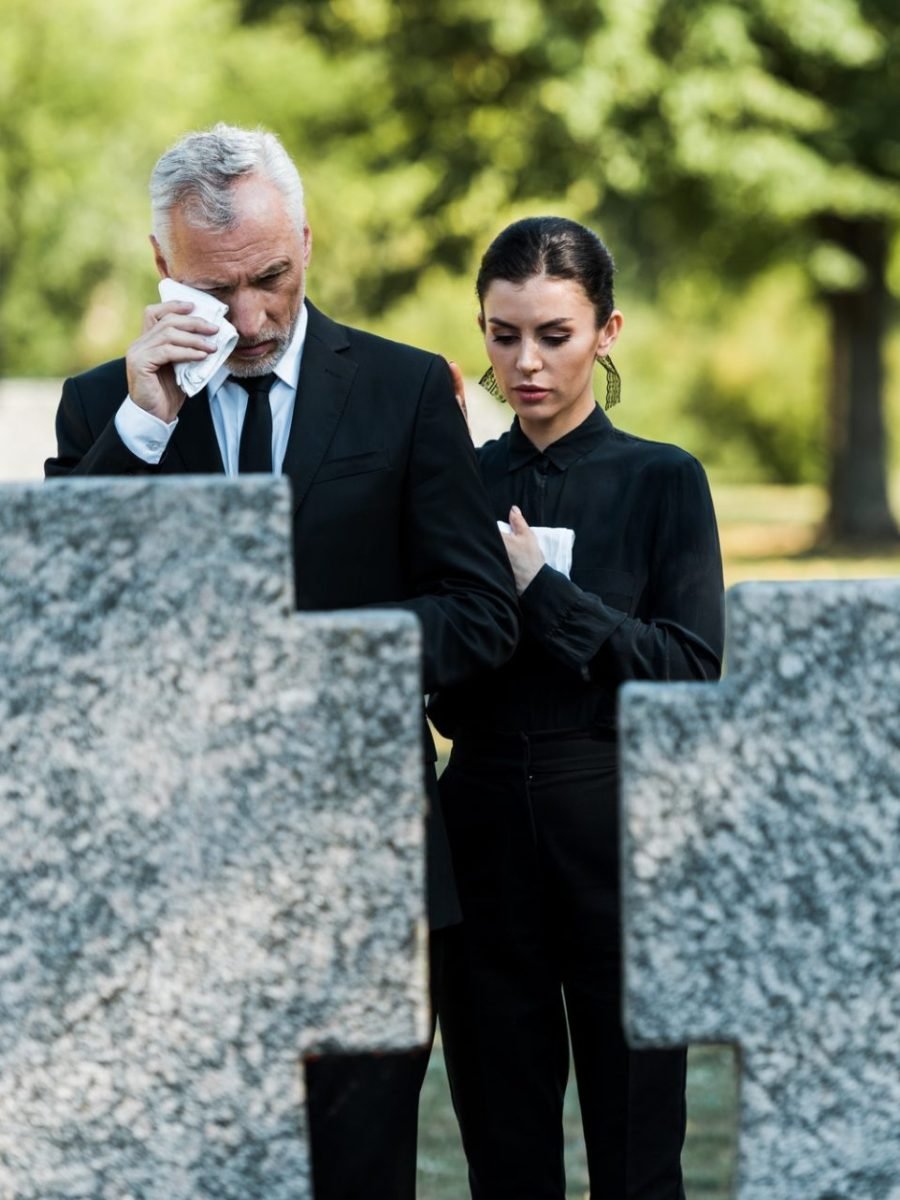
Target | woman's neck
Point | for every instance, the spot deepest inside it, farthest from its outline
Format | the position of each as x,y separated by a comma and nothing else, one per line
542,434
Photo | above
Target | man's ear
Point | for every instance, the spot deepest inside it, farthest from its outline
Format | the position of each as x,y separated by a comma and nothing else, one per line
307,245
159,258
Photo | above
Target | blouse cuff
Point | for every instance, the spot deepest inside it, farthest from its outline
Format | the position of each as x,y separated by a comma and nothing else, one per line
571,623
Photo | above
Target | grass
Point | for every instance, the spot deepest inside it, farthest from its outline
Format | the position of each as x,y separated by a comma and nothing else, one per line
770,532
767,532
709,1147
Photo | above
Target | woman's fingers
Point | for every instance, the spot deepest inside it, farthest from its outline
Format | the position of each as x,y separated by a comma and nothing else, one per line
459,387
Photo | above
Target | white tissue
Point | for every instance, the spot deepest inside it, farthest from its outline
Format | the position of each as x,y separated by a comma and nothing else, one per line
556,545
192,376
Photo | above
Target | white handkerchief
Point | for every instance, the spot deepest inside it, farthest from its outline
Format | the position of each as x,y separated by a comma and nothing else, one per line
556,545
192,376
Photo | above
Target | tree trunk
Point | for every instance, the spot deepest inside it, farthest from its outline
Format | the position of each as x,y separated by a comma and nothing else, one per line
859,510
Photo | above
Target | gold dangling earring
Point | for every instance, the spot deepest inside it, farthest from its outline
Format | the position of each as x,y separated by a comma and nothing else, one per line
613,380
489,382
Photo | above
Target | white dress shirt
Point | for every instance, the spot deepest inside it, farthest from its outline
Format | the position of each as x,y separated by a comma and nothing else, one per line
147,436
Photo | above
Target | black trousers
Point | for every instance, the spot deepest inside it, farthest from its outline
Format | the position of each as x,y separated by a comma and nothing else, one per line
533,825
363,1114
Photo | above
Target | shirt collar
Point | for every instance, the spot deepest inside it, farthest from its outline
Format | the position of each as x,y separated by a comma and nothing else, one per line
566,450
287,369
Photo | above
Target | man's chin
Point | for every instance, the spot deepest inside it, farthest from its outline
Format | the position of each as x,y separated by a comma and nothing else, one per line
244,366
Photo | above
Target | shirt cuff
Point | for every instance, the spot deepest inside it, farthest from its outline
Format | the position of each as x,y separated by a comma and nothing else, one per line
571,624
143,434
548,597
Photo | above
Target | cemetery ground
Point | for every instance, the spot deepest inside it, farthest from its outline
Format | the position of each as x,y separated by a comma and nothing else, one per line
767,532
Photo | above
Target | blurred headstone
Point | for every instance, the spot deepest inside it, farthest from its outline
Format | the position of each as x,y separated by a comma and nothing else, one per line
27,415
28,411
211,832
488,417
761,843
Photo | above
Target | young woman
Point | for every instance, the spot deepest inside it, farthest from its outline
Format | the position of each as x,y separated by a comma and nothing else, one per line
530,792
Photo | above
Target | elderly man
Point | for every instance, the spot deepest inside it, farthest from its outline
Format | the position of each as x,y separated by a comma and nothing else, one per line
388,505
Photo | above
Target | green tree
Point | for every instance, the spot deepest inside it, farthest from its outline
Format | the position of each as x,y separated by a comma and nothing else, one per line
708,135
91,92
783,109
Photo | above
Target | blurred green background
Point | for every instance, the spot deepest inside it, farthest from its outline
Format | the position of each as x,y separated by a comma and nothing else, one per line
741,161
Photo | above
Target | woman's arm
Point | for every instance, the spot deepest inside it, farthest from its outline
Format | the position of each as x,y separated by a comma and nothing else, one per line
680,634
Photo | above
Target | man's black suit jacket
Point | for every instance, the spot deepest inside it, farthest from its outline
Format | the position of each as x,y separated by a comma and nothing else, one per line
389,508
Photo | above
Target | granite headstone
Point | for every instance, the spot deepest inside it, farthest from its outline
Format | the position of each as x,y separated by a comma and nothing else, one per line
211,828
761,843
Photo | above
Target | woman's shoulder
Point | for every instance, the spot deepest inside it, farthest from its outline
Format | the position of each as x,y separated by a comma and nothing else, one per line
494,452
663,457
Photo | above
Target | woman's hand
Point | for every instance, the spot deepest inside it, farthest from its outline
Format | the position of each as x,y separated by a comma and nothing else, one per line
525,555
459,387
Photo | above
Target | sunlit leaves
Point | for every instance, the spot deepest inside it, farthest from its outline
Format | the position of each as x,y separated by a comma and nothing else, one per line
832,29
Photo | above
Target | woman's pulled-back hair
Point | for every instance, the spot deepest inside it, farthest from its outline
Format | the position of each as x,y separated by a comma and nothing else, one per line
552,246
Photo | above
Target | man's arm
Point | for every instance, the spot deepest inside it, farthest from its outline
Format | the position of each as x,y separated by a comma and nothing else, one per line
460,582
87,440
91,437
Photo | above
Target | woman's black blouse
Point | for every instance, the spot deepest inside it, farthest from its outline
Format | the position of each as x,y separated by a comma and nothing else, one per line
645,598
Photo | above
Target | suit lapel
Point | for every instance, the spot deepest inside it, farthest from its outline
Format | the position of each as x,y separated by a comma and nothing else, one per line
325,379
194,446
324,384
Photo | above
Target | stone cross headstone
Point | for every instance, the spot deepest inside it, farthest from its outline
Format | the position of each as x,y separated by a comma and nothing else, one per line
761,880
211,829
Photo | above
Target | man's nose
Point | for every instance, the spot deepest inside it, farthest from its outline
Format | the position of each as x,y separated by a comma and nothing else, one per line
246,312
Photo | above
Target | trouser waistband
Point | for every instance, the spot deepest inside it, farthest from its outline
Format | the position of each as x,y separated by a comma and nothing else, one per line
538,748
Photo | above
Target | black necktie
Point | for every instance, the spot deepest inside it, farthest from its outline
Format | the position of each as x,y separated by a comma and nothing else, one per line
255,453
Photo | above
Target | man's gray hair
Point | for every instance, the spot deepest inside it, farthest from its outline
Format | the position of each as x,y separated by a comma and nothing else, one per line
197,174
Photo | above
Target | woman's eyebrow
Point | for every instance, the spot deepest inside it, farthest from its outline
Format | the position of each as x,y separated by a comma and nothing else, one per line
557,321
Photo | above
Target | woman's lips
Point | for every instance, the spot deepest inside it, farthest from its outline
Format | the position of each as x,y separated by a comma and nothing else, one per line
528,392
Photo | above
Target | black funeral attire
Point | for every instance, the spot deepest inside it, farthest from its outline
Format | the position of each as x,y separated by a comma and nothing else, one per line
530,801
388,510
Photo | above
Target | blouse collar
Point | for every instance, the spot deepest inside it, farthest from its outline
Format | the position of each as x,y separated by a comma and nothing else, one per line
565,450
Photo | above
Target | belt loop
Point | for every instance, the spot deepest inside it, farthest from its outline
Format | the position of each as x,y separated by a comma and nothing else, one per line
526,747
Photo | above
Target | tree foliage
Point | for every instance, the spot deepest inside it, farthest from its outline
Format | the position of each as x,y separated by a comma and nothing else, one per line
733,155
701,126
91,92
704,134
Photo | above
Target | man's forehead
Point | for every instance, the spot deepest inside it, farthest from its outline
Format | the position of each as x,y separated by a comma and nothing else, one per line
251,203
249,245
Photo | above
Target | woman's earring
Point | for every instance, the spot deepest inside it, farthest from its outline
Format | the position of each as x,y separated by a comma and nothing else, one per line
489,382
613,380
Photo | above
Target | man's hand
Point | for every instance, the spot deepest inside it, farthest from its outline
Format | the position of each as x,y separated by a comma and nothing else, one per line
459,387
525,555
170,335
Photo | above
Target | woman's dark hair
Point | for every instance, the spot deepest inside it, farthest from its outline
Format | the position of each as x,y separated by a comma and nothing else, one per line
553,246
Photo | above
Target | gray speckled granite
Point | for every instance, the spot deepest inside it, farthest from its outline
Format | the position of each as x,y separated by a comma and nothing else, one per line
210,841
762,880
